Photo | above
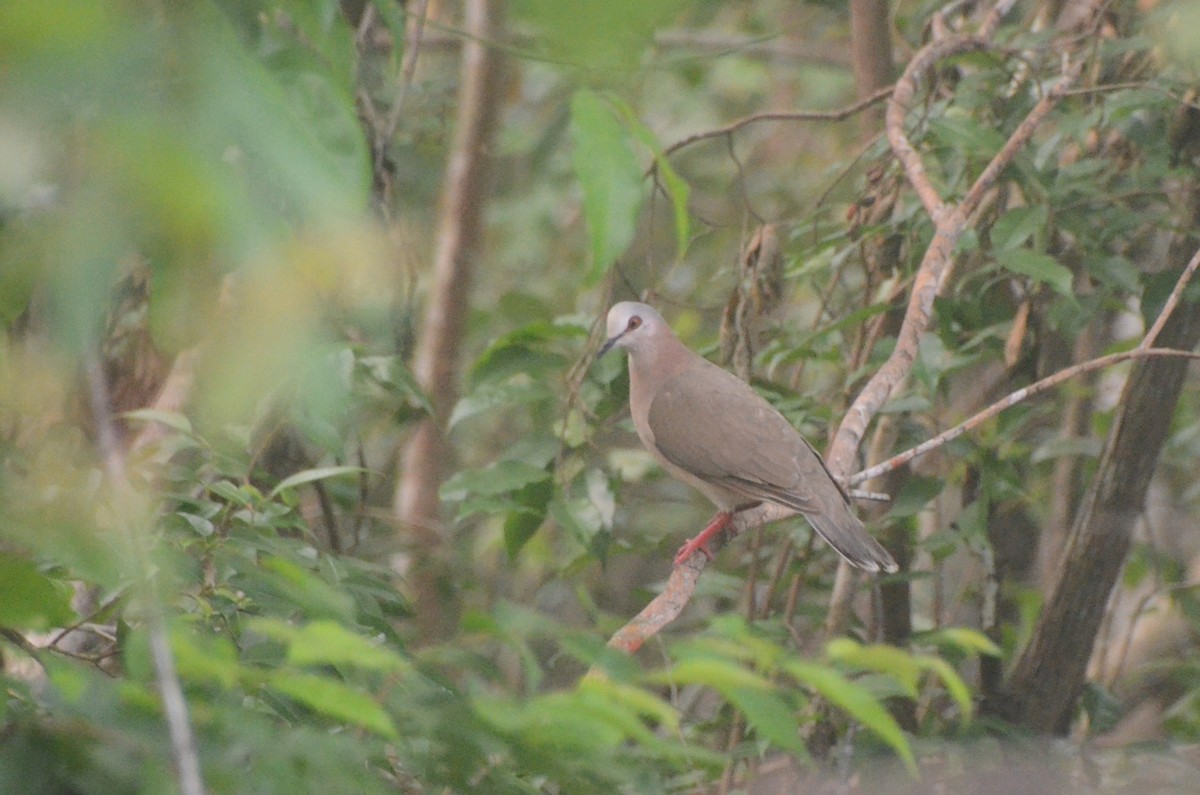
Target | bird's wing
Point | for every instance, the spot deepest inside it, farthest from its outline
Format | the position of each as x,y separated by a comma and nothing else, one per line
710,423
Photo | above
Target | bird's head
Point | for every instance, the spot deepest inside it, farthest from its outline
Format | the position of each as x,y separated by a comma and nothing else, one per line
633,326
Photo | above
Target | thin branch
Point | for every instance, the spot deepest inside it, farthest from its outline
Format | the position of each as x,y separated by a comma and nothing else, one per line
798,115
902,98
987,178
1013,399
179,726
949,222
103,606
412,48
1172,300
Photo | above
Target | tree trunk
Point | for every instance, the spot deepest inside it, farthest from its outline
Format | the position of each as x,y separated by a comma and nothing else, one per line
1042,690
425,459
871,52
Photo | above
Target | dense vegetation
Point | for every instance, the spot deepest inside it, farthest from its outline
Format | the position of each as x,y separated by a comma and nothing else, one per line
309,481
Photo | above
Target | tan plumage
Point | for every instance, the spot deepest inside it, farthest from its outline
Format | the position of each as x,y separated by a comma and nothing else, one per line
713,431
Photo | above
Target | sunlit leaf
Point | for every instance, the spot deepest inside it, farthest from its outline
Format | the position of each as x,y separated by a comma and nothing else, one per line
173,420
311,476
29,599
334,700
329,643
857,701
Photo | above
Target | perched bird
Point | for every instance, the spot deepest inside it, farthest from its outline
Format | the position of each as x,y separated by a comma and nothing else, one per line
711,430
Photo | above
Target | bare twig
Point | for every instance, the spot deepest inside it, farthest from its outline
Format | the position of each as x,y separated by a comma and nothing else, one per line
797,115
175,708
950,222
1172,300
1013,399
412,48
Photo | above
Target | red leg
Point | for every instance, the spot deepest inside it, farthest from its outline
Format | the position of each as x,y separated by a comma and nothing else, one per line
700,542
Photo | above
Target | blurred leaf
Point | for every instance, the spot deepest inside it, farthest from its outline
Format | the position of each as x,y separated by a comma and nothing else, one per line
917,492
966,134
604,37
509,394
858,702
897,663
768,714
677,188
311,476
1037,266
1116,272
329,643
954,684
205,658
962,638
611,179
1066,447
501,477
171,419
305,590
29,599
1018,225
334,700
532,500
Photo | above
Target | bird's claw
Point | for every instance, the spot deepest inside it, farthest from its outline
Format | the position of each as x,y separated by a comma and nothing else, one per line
699,543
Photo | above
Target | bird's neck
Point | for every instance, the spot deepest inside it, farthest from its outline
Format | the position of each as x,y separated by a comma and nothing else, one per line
659,362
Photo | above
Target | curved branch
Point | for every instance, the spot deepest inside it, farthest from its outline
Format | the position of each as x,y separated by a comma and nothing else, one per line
949,223
798,115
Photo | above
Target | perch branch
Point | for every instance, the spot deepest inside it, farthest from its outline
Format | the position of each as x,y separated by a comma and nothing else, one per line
950,222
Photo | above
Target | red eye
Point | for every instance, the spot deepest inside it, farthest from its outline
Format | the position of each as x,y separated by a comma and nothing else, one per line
634,322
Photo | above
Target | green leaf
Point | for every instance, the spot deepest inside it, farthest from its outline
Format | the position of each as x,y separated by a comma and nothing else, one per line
305,590
677,187
334,700
857,701
1016,226
205,658
489,396
328,643
960,131
521,524
916,493
955,686
502,477
768,713
719,674
1116,272
610,177
897,663
171,419
1037,266
30,599
312,475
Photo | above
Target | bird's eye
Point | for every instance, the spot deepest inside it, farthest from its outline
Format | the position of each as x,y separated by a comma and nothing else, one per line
634,322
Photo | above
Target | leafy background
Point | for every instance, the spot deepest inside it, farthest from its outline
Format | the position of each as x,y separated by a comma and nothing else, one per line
200,192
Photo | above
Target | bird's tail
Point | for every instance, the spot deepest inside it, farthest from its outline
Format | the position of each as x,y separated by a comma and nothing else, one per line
846,534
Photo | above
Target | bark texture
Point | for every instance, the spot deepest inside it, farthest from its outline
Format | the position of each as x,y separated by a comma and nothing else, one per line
871,53
1044,685
425,459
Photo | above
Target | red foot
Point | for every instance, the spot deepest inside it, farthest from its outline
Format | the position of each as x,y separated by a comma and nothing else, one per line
700,542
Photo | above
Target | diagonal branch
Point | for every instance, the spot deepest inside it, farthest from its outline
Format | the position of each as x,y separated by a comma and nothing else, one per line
949,223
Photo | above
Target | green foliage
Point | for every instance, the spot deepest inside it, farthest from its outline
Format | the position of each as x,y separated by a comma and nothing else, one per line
226,157
610,177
